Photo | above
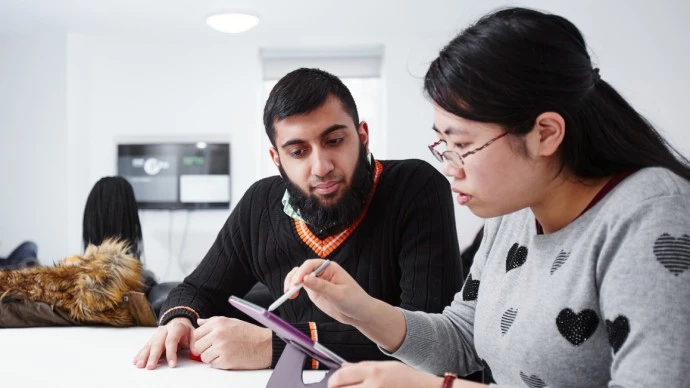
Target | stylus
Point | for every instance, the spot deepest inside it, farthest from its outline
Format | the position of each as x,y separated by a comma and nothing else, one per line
296,288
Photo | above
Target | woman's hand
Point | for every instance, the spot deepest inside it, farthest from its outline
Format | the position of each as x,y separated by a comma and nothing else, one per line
334,291
382,374
337,294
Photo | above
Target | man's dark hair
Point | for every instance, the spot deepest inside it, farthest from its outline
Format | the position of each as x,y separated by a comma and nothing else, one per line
303,91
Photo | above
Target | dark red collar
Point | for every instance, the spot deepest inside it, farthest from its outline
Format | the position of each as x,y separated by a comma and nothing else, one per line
613,182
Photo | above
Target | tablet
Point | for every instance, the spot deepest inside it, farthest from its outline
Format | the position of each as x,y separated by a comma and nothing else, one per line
288,333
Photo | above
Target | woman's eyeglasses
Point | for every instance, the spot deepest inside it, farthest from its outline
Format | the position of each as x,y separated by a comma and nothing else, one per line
455,158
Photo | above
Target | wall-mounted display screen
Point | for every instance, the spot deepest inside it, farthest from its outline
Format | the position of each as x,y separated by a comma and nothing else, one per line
177,175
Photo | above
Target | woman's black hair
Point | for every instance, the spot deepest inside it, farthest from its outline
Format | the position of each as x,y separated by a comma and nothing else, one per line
111,212
516,63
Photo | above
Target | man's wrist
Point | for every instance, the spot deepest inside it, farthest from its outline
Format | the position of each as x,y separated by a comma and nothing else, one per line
179,311
183,320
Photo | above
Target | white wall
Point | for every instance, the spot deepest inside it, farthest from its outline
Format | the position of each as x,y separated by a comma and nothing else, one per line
78,93
154,88
33,144
78,158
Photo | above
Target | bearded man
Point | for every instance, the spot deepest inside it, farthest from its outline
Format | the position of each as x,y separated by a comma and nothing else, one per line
383,221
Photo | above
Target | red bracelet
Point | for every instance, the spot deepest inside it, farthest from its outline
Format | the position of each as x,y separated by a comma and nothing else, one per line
448,379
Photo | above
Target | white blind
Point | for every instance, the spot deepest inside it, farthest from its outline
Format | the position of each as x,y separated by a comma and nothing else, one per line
346,63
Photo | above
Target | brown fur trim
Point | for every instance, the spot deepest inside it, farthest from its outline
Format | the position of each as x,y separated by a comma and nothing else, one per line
89,288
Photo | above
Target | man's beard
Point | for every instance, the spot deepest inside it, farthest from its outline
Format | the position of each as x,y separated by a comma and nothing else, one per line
326,220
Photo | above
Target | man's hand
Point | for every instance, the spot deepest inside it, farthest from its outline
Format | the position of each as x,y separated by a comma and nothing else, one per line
174,335
227,343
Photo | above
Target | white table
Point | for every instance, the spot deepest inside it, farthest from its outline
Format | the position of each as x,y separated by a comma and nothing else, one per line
73,357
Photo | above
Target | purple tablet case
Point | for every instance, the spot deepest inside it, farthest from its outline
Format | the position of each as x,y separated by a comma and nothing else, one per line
288,370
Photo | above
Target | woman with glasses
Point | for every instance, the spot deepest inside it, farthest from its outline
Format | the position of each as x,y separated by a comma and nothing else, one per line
582,277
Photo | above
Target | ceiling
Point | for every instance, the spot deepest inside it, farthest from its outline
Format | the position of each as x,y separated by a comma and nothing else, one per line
185,19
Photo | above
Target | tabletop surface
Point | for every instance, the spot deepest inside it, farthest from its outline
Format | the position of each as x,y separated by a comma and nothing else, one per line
102,357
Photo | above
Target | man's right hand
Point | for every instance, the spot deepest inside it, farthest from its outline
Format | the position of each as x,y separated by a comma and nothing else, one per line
169,338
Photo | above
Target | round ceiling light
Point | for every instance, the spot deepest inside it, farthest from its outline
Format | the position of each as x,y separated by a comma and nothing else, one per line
232,22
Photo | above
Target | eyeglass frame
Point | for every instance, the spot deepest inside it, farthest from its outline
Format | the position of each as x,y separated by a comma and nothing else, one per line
442,155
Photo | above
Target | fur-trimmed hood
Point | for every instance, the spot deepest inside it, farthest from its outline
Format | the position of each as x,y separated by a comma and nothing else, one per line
91,288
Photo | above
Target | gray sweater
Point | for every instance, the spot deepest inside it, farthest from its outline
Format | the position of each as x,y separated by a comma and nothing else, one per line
604,301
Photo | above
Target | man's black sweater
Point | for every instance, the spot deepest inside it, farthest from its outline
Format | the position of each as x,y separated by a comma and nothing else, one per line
404,252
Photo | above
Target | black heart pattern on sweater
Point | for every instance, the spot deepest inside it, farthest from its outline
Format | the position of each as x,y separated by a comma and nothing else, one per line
507,319
560,260
577,328
517,255
471,289
618,331
673,253
532,381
